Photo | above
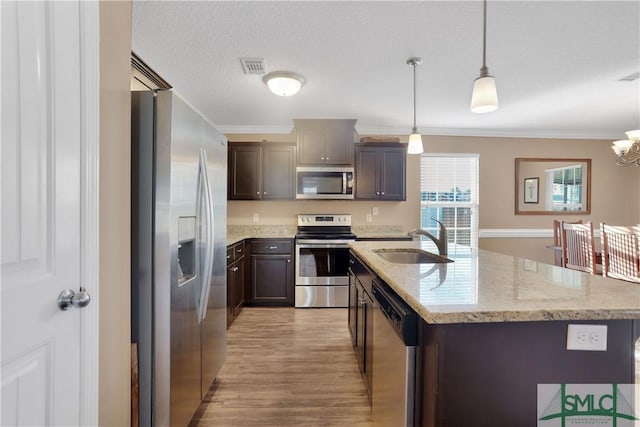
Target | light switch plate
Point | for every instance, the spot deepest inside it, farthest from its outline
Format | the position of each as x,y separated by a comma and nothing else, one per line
587,337
256,217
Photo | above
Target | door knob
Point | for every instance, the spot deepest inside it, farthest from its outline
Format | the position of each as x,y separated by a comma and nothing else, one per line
69,297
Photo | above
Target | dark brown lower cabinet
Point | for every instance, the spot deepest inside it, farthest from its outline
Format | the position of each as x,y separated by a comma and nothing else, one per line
235,280
352,320
360,319
272,272
487,374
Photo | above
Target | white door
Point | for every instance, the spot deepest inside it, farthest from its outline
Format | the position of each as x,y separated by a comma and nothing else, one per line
49,144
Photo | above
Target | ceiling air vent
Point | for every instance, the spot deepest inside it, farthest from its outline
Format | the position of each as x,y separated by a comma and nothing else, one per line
630,77
252,65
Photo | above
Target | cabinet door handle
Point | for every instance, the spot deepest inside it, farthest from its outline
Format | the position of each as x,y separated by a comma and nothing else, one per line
377,193
228,256
383,193
239,251
234,269
265,193
289,261
258,193
273,247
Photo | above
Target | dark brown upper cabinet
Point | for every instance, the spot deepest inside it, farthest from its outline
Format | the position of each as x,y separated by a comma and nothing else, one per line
325,142
381,171
261,171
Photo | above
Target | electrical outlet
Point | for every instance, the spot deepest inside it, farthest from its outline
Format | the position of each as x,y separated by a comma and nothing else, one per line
256,217
587,337
375,211
369,218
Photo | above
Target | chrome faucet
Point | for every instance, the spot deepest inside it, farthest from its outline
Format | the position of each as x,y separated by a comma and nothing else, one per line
440,242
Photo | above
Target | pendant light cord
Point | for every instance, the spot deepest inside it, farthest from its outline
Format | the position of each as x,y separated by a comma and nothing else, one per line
484,71
413,62
415,130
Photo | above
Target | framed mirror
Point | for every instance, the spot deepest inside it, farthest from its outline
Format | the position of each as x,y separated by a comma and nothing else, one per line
553,186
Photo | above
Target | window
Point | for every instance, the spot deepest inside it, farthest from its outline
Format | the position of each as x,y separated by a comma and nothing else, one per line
449,193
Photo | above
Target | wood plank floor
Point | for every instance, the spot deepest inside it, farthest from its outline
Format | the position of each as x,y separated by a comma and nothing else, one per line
287,367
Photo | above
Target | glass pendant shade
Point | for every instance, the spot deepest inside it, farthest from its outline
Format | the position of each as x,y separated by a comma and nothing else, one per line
283,83
484,98
633,135
415,144
621,147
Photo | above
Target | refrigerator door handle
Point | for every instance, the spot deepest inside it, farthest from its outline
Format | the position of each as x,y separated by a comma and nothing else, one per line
205,193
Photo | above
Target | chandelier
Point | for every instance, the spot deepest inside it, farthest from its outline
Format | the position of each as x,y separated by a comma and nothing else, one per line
628,150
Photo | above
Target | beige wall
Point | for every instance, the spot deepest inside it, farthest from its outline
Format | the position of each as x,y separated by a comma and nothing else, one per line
615,196
114,298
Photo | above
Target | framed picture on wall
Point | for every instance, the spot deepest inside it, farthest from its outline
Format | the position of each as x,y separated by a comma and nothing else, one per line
531,190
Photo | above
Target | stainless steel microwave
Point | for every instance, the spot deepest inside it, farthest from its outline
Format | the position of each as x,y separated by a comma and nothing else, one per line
324,182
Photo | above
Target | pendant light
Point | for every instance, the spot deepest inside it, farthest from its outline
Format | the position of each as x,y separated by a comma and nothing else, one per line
484,98
415,139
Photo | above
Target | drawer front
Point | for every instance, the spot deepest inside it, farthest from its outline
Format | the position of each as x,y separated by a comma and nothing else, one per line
238,250
271,246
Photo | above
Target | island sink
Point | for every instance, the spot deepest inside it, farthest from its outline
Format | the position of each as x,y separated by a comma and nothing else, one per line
410,256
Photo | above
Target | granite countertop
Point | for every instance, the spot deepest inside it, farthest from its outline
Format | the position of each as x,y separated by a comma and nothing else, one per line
484,286
237,233
378,235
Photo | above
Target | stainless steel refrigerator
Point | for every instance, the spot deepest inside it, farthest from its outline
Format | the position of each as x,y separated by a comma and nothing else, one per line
178,297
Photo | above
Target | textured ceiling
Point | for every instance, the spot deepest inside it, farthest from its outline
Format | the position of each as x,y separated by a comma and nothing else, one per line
557,64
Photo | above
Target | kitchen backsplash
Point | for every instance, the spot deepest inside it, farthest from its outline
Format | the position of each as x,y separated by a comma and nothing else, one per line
377,229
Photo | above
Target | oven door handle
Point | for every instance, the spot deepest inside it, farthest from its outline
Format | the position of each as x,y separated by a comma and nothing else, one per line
321,245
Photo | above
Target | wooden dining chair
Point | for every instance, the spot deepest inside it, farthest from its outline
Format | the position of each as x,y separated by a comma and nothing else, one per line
557,237
620,252
578,247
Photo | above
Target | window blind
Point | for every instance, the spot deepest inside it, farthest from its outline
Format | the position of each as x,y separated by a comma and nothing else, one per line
449,193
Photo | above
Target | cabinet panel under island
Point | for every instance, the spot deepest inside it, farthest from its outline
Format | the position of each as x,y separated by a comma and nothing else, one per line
493,327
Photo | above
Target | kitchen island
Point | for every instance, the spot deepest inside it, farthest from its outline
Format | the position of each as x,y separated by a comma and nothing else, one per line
492,327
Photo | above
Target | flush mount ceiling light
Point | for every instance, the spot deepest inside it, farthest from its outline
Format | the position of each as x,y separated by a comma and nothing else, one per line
415,139
283,83
628,150
484,98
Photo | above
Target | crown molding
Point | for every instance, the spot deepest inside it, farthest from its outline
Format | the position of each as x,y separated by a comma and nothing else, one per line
400,131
